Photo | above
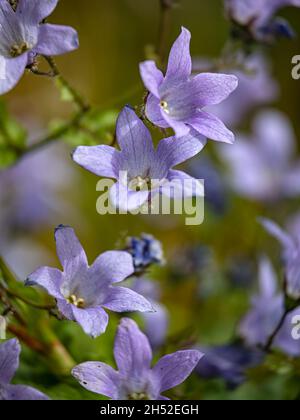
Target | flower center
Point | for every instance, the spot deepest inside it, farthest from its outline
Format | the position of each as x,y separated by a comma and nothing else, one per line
140,184
164,106
138,396
18,49
74,300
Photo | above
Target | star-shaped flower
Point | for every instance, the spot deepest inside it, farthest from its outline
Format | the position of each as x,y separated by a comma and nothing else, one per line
23,36
178,99
9,363
82,291
135,379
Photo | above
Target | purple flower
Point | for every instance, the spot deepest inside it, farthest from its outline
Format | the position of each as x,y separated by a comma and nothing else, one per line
23,36
261,166
155,324
177,99
258,16
145,251
267,310
228,362
142,172
82,291
256,87
9,363
135,379
291,256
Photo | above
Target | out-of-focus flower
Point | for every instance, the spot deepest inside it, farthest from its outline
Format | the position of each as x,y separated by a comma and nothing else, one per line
135,379
156,323
256,87
229,362
267,310
145,251
23,37
291,256
215,188
82,291
177,99
142,172
261,166
258,18
29,195
9,363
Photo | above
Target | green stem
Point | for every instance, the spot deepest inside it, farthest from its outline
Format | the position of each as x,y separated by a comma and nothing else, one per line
164,28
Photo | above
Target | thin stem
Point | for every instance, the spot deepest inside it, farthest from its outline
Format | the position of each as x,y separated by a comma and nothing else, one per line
281,322
29,302
164,28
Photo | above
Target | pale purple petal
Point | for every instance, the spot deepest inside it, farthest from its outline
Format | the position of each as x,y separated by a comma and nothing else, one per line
152,77
136,143
154,112
69,250
180,127
276,231
112,267
35,11
14,69
92,320
65,309
50,279
122,299
132,350
100,160
180,62
124,199
211,127
267,279
99,378
56,40
174,151
157,325
182,185
23,393
9,360
173,369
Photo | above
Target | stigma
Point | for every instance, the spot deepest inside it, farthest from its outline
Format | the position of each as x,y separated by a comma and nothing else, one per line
74,300
164,106
139,183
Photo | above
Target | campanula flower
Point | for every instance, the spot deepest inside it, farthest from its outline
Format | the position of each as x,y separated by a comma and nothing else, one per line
135,379
141,170
23,36
9,363
261,165
178,99
82,291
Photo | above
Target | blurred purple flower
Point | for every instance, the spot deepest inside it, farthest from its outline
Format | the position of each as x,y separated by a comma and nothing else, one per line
23,37
29,196
156,323
135,379
177,99
291,256
258,17
261,166
228,362
145,251
9,363
256,87
266,312
142,172
82,291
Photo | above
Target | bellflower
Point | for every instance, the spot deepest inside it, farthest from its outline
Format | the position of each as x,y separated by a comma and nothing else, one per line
142,172
178,99
155,324
82,291
229,362
261,167
23,36
265,314
291,256
9,363
145,251
258,17
256,87
135,379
